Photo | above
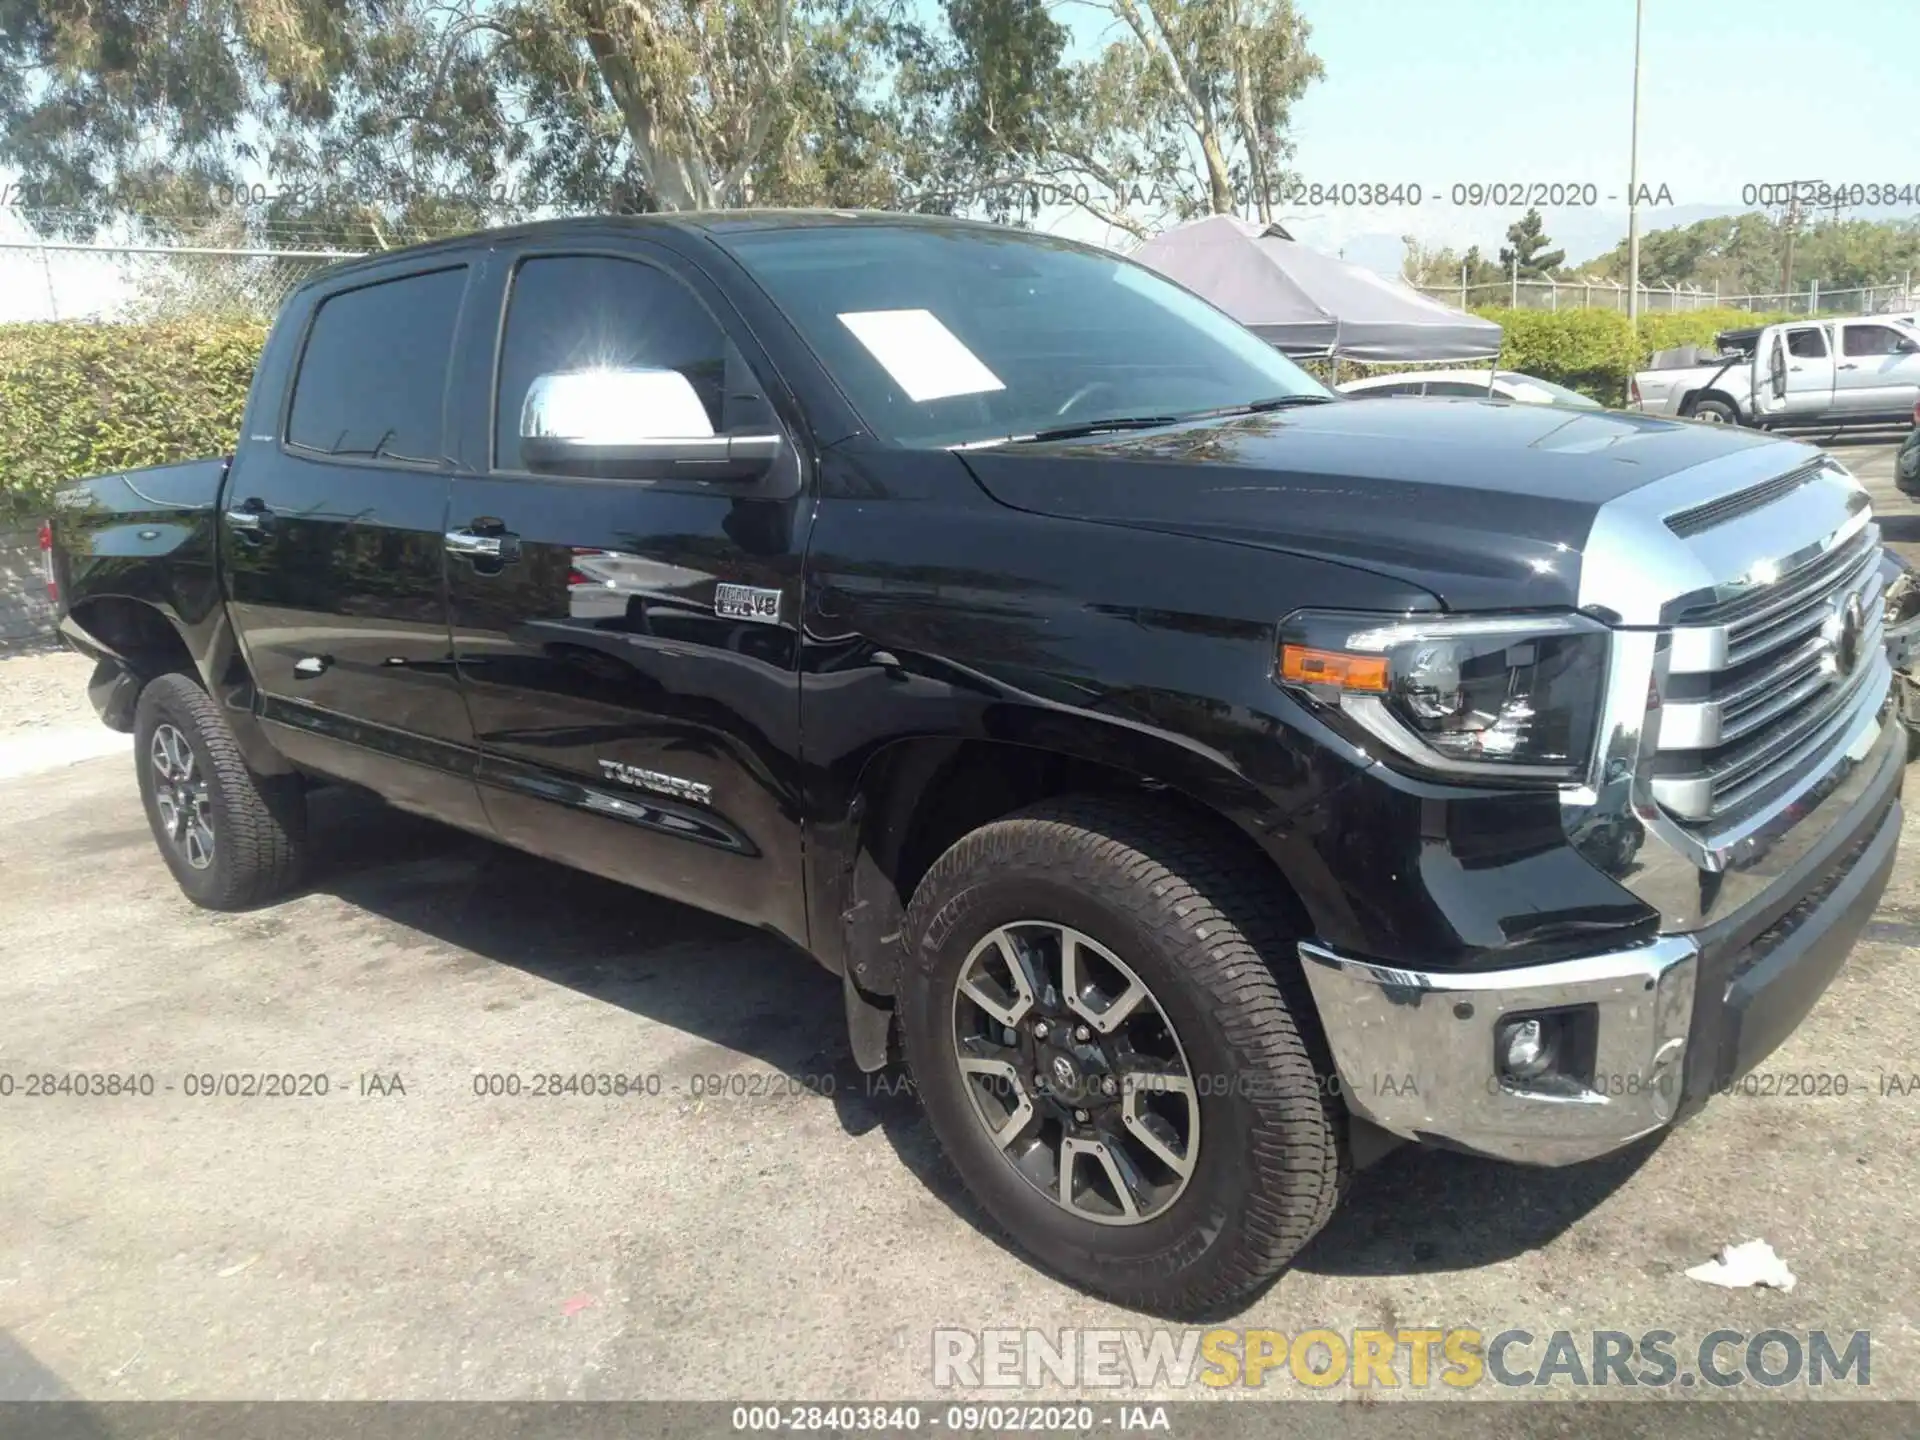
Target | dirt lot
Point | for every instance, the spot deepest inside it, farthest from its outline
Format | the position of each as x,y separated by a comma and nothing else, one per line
405,1237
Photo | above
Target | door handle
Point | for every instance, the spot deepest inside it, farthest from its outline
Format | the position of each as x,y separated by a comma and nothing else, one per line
251,516
497,546
1849,367
1796,368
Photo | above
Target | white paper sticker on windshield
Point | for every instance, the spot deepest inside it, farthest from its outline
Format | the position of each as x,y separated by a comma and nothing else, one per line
925,358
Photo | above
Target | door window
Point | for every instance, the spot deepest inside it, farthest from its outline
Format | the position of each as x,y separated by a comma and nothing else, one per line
573,313
1809,344
373,377
1870,340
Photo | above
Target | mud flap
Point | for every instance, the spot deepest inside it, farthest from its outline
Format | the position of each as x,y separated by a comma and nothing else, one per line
869,1026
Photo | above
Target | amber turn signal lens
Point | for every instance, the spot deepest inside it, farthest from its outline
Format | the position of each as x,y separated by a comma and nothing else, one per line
1303,665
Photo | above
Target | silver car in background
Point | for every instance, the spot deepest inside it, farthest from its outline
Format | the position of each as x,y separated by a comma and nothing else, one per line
1495,385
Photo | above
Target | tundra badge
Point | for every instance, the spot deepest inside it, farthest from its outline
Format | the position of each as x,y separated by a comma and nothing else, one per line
659,783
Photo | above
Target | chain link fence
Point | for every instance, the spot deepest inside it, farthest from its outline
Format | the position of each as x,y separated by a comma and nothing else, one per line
55,281
1899,295
62,281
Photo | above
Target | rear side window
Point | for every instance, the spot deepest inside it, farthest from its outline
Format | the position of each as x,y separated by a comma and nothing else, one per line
1872,340
373,378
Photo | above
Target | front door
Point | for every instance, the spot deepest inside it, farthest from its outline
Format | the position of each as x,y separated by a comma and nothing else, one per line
628,648
1809,371
332,545
1879,369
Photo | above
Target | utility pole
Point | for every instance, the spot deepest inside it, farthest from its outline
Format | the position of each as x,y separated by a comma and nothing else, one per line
1633,179
1791,222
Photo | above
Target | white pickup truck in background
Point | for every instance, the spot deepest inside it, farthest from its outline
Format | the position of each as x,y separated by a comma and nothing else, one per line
1810,372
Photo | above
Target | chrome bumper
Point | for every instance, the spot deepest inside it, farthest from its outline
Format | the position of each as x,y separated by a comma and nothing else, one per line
1673,1020
1415,1050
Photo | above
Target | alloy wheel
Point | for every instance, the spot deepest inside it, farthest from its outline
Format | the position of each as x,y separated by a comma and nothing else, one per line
182,796
1075,1071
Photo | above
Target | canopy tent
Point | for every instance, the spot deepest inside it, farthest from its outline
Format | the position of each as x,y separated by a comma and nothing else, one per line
1306,303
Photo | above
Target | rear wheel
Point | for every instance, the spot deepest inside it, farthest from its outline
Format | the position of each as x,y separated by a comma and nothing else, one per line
1109,1029
232,838
1715,412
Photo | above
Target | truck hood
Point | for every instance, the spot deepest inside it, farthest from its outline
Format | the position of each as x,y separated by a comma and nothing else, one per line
1486,504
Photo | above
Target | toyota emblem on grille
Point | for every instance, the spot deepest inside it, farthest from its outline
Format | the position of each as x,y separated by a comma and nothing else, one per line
1842,632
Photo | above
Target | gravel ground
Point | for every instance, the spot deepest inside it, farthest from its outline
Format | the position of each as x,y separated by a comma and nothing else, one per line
43,688
765,1238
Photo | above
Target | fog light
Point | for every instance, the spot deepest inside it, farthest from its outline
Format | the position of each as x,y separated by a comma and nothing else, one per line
1526,1049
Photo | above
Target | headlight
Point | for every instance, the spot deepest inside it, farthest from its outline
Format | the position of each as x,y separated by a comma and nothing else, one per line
1496,696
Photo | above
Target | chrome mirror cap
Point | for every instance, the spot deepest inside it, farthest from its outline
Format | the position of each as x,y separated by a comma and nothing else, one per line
614,407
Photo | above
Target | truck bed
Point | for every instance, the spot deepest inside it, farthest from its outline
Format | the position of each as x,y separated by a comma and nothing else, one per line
144,534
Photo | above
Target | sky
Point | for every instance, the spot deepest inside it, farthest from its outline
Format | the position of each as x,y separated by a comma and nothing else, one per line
1733,92
1446,92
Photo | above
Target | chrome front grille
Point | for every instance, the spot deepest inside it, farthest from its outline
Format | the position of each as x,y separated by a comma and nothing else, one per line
1760,686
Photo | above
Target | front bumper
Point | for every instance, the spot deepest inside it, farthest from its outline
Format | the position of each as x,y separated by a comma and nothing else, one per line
1903,652
1671,1021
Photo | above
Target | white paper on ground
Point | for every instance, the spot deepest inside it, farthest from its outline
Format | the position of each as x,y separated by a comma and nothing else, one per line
924,357
1739,1266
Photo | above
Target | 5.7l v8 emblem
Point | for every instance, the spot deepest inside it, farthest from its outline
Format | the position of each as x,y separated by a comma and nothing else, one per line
747,602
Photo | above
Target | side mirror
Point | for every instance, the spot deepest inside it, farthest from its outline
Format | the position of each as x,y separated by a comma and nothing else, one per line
633,425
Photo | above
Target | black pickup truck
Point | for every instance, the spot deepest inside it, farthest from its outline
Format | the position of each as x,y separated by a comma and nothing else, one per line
1198,780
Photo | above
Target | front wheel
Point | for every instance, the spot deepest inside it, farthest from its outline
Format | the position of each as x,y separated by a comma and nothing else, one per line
1110,1032
232,838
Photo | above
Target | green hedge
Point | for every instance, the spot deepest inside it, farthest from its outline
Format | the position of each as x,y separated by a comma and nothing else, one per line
78,399
1592,351
1597,351
1698,327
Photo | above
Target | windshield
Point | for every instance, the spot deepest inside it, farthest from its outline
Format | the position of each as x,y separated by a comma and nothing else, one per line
945,337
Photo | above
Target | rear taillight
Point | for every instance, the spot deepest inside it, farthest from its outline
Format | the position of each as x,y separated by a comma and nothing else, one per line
1633,392
46,560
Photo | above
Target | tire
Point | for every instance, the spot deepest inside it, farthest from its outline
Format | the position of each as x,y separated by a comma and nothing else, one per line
1715,412
255,825
1209,933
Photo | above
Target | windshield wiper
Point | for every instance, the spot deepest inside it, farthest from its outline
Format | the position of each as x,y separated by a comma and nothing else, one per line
1116,423
1260,407
1100,427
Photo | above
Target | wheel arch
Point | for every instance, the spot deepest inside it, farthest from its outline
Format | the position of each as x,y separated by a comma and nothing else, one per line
1691,402
916,796
142,641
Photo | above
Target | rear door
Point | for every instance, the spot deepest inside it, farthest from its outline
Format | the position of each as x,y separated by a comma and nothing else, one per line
628,648
1878,371
332,541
